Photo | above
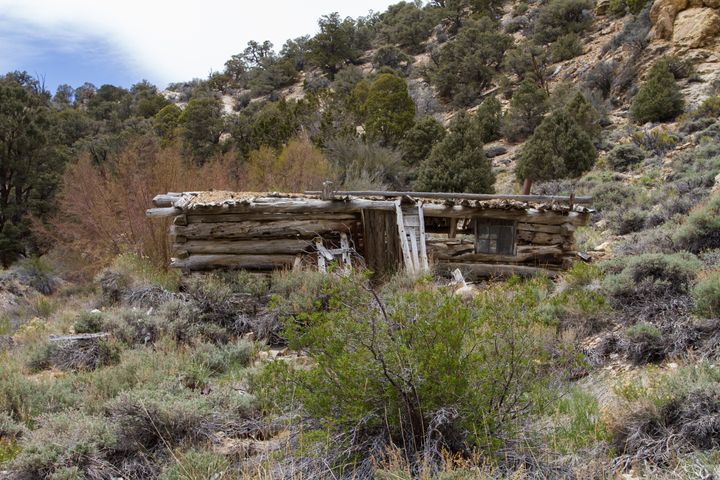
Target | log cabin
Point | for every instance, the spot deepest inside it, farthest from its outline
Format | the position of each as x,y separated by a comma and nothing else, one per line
481,235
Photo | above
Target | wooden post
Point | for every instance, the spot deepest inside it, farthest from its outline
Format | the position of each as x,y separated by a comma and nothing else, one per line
424,266
327,191
345,247
403,238
527,185
322,266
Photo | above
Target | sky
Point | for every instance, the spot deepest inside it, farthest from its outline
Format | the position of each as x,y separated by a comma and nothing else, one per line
124,41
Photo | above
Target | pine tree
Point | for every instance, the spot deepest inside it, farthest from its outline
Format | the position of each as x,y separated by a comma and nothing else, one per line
659,98
457,163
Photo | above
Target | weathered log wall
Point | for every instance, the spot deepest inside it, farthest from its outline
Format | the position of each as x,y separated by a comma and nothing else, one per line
265,233
251,241
544,243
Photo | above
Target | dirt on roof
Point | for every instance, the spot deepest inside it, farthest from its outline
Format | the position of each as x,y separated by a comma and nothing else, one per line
199,200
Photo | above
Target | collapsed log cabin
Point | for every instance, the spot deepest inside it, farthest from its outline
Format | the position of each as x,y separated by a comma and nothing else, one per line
482,235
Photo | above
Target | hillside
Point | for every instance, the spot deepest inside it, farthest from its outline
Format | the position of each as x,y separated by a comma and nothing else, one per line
114,366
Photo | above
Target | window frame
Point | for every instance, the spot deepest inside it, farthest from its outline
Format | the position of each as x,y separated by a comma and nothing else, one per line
480,222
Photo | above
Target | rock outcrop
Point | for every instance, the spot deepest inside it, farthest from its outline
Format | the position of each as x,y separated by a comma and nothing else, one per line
696,27
688,23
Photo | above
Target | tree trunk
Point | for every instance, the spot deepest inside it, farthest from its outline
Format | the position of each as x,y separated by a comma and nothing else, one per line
527,185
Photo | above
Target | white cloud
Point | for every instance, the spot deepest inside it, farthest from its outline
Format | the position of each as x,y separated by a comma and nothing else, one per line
181,39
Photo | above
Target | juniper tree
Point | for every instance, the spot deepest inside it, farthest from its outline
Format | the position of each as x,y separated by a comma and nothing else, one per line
559,148
389,110
457,163
659,98
419,140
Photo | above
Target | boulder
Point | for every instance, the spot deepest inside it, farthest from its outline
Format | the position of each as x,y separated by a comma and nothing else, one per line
696,27
662,17
494,151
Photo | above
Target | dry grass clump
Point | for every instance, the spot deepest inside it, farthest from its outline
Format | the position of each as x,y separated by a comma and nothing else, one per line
662,418
75,354
133,281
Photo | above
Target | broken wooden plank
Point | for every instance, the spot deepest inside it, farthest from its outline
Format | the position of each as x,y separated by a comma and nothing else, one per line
78,337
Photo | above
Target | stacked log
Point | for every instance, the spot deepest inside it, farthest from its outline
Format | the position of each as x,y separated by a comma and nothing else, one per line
544,244
251,241
269,231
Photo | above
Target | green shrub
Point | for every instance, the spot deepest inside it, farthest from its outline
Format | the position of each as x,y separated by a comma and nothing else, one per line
566,47
220,359
25,398
659,98
197,465
623,7
676,414
136,269
88,322
701,230
133,326
37,273
147,419
489,119
527,107
707,295
557,149
528,61
644,343
420,139
578,422
390,56
41,357
457,163
615,195
658,141
642,278
624,221
393,365
67,440
466,65
389,110
407,25
709,108
643,330
624,156
11,429
562,17
583,113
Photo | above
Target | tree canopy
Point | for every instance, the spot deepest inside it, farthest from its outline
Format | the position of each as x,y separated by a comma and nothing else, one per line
457,163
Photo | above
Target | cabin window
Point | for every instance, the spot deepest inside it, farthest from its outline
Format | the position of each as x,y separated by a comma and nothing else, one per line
494,236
